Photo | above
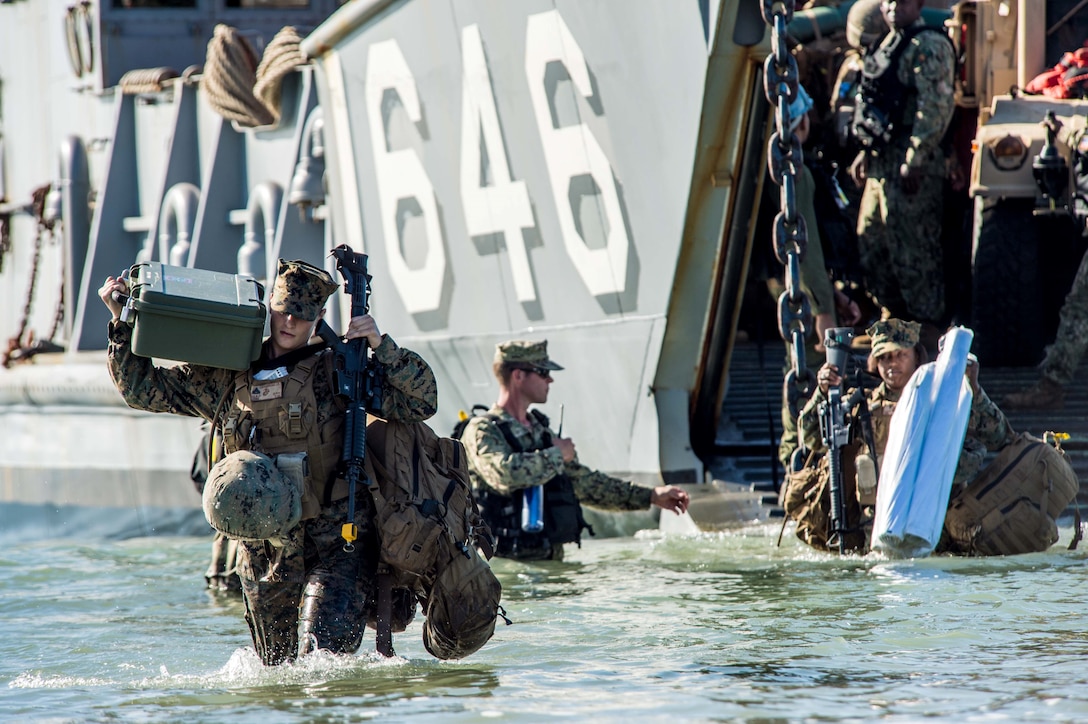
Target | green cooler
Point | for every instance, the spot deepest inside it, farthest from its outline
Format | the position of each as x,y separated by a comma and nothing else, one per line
196,316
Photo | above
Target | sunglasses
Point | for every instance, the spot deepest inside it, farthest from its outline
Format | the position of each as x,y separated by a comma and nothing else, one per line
537,370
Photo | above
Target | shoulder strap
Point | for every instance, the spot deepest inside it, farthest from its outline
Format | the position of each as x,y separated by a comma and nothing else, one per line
511,438
507,433
545,423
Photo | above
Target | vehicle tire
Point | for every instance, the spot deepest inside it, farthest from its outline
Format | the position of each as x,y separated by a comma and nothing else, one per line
1006,284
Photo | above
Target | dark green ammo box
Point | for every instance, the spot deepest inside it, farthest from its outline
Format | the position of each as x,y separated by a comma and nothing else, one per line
196,316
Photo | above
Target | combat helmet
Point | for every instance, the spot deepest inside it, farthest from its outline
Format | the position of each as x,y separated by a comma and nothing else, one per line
865,24
246,497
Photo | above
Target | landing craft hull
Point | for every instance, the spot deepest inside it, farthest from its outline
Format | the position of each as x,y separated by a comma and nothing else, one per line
575,171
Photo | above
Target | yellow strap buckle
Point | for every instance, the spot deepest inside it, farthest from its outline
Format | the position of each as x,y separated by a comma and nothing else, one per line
349,532
1057,437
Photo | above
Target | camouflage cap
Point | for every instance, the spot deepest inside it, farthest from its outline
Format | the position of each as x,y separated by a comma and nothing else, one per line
893,334
301,290
525,352
865,24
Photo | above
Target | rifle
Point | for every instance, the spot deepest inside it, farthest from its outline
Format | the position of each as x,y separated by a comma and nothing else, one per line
354,379
835,432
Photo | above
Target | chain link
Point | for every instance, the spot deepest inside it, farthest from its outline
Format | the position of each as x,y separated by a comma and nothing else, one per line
20,343
784,161
5,238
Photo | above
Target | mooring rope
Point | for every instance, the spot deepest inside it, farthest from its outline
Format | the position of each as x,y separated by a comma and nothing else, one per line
281,57
229,77
145,80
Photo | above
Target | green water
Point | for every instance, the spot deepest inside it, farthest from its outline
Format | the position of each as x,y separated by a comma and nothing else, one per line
723,627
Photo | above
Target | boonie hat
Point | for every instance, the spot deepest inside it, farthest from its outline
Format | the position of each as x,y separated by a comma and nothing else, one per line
892,334
525,352
301,290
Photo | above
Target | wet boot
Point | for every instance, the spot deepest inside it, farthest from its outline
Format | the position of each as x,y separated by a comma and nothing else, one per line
1046,394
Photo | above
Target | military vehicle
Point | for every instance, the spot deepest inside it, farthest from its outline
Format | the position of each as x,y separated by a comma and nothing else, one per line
1028,167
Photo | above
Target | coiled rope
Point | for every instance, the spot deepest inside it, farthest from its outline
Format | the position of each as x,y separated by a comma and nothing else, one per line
237,87
146,80
280,58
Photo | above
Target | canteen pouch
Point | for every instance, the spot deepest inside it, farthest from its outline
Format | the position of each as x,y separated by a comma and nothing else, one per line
866,479
409,539
296,468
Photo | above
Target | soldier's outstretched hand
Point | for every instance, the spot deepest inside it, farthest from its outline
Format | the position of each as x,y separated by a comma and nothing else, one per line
670,497
972,373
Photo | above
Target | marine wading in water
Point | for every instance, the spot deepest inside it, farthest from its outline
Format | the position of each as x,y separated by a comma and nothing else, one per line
310,549
513,453
832,499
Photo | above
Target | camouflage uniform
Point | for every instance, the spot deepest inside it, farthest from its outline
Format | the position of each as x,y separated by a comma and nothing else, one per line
1063,355
987,427
899,234
310,579
1066,351
494,465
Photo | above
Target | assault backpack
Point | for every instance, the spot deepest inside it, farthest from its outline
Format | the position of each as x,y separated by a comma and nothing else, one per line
1014,503
464,418
430,529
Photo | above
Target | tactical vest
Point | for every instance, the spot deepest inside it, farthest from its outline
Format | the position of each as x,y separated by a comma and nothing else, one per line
563,520
883,100
280,417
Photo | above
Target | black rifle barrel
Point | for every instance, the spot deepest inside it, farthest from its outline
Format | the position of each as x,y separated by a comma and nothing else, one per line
352,378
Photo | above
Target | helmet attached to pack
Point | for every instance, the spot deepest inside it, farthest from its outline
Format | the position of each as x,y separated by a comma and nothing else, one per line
463,607
246,497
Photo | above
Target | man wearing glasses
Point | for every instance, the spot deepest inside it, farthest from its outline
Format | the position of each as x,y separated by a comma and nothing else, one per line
511,451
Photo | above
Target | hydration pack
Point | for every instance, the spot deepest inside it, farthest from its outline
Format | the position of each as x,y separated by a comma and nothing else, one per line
880,112
1014,503
430,529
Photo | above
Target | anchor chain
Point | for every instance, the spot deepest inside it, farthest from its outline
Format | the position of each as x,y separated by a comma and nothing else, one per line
20,347
790,236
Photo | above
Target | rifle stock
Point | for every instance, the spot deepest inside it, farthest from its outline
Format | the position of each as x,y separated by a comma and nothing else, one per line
836,434
833,427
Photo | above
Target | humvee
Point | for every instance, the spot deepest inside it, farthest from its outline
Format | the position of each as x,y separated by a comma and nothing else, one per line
1028,170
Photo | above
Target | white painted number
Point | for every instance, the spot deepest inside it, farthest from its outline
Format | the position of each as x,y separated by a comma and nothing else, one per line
573,151
503,204
401,175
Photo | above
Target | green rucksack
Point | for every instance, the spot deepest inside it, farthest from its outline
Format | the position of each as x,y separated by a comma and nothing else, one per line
433,541
1012,506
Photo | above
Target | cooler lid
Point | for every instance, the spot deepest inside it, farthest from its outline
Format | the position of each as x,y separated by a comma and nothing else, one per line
157,284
